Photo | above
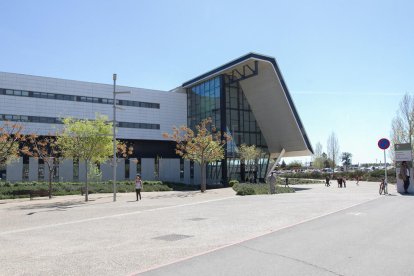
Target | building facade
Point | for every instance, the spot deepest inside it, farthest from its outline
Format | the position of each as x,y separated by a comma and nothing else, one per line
247,98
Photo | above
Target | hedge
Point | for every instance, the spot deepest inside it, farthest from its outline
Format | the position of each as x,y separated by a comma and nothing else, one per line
10,190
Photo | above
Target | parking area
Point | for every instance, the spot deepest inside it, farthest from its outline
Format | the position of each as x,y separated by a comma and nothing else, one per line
66,236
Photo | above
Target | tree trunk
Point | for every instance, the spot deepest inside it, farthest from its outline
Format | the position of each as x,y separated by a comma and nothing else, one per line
86,181
50,182
50,171
203,177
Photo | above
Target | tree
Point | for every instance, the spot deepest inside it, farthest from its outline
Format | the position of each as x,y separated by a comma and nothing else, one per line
10,138
402,127
201,147
318,160
295,165
333,149
88,140
283,165
346,159
248,157
45,148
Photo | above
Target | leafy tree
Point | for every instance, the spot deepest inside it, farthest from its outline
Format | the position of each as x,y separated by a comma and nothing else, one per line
326,161
10,138
45,148
346,159
248,157
294,165
87,140
283,165
201,146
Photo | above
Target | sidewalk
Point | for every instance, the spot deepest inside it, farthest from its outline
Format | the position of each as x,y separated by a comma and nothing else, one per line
67,236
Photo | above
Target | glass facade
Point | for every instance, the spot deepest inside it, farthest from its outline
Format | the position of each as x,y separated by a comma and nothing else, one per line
224,101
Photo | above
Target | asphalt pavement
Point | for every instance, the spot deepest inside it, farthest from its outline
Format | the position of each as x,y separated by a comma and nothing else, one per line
315,231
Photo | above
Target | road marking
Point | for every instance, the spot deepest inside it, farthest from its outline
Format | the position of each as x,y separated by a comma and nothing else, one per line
246,239
110,216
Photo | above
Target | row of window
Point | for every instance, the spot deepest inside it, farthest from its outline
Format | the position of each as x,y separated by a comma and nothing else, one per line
52,120
64,97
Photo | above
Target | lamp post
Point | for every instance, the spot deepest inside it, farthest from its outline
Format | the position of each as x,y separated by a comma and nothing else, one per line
114,132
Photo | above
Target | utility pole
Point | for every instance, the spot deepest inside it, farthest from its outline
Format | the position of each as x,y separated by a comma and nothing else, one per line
114,163
114,137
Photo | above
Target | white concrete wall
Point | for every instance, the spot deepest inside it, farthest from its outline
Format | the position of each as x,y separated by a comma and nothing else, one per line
197,175
106,170
187,179
66,170
82,171
170,169
15,170
120,169
147,168
33,169
132,168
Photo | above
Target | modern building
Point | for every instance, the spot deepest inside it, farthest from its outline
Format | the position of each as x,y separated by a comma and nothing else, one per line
247,98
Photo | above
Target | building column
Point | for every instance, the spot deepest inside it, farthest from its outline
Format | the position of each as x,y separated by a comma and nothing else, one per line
33,169
14,170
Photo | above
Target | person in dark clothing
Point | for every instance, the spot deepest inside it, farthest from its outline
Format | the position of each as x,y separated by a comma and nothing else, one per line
405,175
327,184
339,182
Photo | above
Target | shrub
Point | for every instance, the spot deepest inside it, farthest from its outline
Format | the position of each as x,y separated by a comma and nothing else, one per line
246,191
232,182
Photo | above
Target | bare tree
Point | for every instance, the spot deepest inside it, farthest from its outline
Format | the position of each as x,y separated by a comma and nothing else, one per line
317,157
318,150
402,127
333,148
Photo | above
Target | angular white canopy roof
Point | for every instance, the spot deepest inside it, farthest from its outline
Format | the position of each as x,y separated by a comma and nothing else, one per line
270,101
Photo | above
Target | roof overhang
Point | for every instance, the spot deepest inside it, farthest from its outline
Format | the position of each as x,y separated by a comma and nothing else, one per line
271,104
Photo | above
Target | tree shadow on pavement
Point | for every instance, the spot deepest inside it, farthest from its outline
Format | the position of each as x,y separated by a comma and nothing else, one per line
297,189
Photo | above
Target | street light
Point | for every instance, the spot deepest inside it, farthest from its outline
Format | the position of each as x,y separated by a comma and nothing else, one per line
114,131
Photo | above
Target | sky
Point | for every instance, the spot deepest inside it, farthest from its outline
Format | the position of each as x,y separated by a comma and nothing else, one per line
347,63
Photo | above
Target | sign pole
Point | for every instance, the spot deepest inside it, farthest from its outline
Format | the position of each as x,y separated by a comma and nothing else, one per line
385,162
384,144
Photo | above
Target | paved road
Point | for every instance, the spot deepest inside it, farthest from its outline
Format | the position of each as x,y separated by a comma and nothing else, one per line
65,236
374,238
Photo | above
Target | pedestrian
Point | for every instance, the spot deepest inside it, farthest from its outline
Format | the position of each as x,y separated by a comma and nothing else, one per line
287,182
272,183
405,175
344,181
138,186
339,182
357,179
327,184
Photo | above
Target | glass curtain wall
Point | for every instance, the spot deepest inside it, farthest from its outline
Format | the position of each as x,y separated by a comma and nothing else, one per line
224,101
244,129
203,101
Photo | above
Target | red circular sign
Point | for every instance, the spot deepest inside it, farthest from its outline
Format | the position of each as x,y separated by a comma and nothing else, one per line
384,143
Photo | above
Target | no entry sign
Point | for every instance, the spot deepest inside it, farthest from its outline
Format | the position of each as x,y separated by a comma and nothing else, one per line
384,143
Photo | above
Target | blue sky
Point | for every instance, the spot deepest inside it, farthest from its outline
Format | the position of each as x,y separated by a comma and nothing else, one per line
346,63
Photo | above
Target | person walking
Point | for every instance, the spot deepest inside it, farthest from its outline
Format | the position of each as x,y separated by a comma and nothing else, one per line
405,175
272,183
357,180
287,182
327,184
138,186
